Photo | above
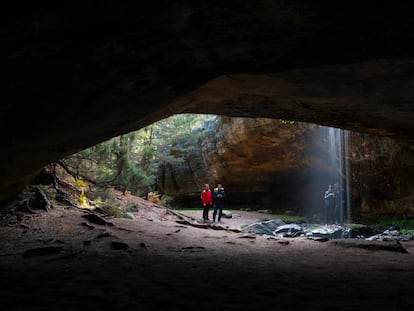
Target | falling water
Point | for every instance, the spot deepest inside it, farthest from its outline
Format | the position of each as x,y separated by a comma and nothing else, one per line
345,135
336,144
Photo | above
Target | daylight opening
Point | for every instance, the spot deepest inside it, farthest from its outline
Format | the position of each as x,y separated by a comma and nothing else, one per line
293,178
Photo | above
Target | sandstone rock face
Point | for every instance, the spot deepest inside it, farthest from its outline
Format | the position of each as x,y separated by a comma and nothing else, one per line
265,164
382,183
260,162
76,75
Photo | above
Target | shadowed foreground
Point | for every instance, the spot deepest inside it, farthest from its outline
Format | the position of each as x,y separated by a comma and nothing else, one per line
63,261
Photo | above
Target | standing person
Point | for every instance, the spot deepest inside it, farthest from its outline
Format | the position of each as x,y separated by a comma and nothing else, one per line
206,200
218,196
337,203
329,204
339,192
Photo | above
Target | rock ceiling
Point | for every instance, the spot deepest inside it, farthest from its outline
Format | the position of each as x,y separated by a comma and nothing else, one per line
76,75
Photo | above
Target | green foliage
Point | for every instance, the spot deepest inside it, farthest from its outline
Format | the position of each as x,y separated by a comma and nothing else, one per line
112,210
166,200
97,201
129,162
106,200
286,122
354,226
131,206
103,195
403,224
126,215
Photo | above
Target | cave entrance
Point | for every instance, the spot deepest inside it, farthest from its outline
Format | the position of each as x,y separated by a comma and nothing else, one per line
278,167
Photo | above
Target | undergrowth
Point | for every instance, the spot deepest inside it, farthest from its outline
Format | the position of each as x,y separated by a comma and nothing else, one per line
405,225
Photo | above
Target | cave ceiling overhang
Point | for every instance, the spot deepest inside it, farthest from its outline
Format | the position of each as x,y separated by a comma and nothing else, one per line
74,76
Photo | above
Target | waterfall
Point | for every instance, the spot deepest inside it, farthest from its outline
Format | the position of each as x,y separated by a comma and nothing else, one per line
335,144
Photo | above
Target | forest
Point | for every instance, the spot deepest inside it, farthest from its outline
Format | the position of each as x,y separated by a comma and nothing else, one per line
129,162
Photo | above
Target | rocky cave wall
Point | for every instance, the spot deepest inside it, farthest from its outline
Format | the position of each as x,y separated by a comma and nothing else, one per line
268,164
76,75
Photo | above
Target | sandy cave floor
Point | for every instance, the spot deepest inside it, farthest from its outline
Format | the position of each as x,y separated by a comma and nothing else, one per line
59,260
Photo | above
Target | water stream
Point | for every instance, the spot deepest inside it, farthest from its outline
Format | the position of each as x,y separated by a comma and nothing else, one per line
336,143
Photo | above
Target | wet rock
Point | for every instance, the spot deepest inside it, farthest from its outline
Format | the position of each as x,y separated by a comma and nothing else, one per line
330,232
389,234
359,231
290,230
264,227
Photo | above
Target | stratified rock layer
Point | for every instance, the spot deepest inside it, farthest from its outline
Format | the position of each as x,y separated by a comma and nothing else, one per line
283,166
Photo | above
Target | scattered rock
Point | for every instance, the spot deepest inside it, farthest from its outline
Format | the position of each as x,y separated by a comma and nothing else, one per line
264,227
391,234
290,230
330,232
359,231
227,214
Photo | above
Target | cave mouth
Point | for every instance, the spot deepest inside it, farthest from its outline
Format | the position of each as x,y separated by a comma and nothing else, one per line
175,140
69,257
325,161
285,193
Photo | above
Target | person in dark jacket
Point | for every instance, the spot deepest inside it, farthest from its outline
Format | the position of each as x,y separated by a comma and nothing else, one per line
218,198
329,197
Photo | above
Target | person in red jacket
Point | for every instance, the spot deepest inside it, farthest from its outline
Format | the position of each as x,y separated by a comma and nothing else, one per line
206,200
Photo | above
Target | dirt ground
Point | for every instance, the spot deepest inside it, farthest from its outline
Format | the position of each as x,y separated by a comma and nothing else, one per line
63,260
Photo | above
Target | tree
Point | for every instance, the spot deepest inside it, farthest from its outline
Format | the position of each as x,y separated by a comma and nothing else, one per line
129,162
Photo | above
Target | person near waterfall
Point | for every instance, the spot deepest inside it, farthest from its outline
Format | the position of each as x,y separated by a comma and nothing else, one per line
339,204
218,198
329,205
207,201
